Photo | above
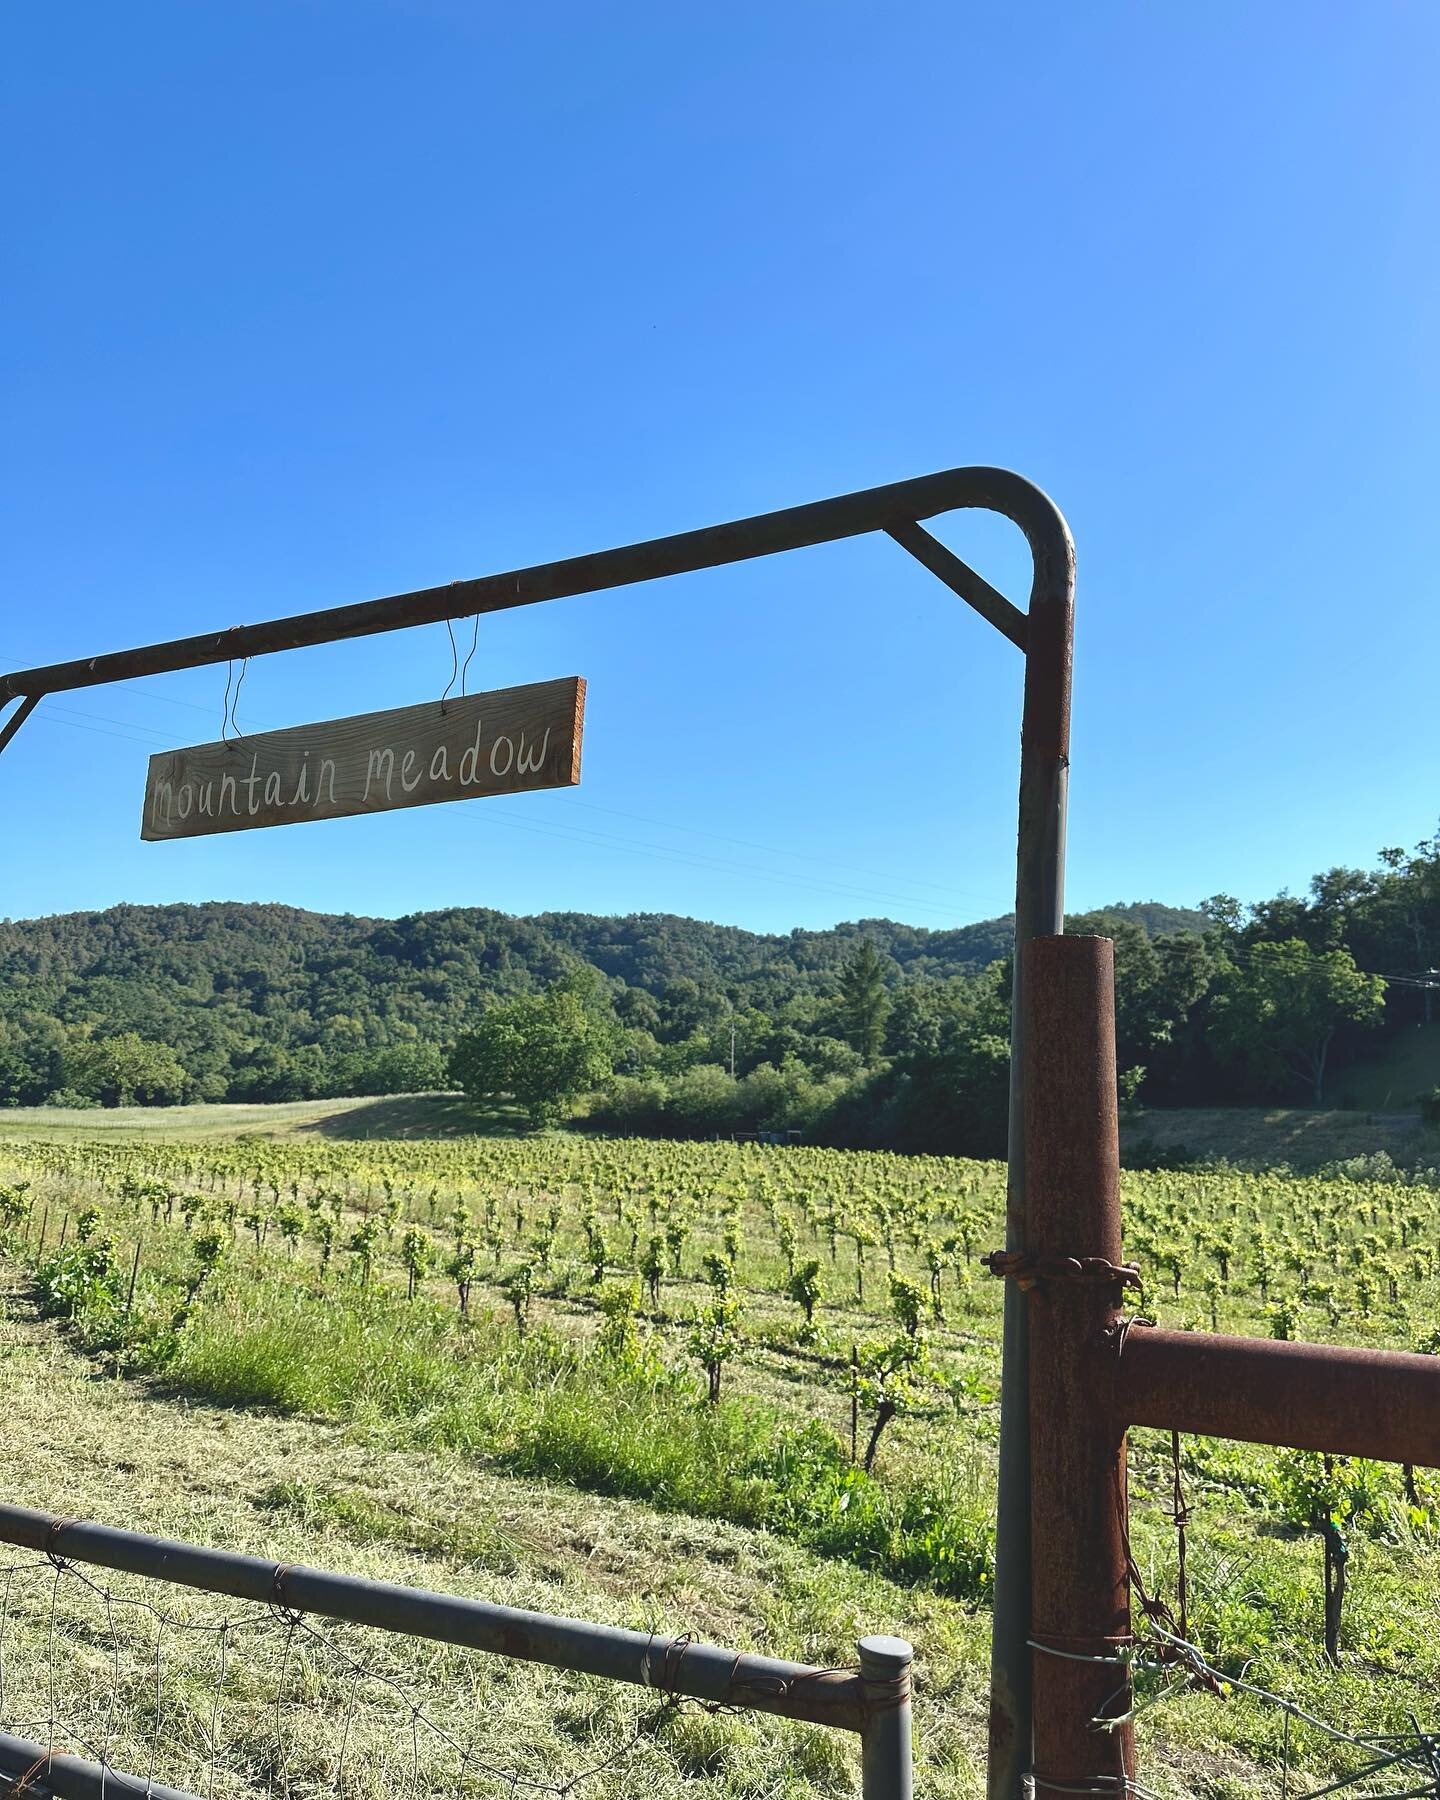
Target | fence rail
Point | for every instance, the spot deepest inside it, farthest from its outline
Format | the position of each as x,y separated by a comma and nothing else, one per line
872,1700
26,1766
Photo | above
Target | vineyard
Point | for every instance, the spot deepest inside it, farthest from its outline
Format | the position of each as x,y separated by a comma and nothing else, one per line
793,1339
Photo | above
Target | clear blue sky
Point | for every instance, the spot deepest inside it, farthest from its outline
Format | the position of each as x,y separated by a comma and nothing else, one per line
311,300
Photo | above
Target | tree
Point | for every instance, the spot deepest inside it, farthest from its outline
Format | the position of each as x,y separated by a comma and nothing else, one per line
714,1339
126,1071
946,1088
803,1288
1278,1010
542,1050
887,1379
864,1004
417,1252
1157,982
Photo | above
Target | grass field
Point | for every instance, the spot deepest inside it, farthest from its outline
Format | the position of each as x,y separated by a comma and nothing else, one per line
1257,1137
393,1116
578,1467
302,1489
1300,1138
1398,1076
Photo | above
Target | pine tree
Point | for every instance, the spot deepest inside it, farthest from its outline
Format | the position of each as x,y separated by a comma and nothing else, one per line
864,1004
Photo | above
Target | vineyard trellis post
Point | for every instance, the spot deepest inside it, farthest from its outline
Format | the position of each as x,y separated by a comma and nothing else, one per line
1044,636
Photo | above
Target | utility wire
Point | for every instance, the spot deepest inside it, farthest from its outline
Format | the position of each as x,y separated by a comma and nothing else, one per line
76,712
583,837
123,737
659,824
128,731
764,849
580,836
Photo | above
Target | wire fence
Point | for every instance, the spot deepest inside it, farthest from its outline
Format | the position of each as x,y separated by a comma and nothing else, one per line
229,1702
177,1687
1164,1651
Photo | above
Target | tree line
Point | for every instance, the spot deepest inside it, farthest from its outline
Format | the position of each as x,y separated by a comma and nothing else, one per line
873,1034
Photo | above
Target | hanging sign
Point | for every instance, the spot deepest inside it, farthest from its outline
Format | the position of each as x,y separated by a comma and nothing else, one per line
505,742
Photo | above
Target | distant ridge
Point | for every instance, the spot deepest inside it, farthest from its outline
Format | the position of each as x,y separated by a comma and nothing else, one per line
228,982
237,951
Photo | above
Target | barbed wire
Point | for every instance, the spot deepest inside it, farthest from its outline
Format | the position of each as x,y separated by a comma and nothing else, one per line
1163,1648
1417,1748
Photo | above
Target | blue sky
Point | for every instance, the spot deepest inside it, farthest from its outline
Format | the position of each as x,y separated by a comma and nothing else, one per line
312,300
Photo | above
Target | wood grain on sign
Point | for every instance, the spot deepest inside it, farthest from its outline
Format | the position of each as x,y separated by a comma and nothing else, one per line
505,742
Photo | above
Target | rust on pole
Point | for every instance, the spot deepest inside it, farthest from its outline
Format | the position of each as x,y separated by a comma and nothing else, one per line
886,1764
973,588
1383,1404
672,1665
1081,1618
1039,912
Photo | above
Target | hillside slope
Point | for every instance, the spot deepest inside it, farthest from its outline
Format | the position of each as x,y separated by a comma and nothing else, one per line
206,979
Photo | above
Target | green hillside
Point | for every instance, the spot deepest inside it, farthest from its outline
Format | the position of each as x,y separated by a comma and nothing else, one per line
269,1002
871,1034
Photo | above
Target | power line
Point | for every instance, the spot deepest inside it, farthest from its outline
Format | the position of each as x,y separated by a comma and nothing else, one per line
129,731
764,849
75,712
584,837
664,825
124,737
580,835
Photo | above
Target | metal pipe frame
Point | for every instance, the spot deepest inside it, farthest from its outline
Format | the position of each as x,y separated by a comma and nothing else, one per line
885,1754
895,508
1044,635
1092,1377
671,1665
31,1768
1384,1404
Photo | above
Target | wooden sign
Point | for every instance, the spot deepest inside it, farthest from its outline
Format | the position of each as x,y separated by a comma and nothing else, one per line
505,742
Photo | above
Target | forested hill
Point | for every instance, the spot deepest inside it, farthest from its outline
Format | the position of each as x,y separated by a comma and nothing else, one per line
233,987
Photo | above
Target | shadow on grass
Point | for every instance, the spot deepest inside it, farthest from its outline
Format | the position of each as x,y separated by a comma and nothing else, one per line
419,1116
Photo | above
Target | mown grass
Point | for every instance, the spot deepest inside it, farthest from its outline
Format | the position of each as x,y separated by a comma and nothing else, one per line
389,1116
365,1496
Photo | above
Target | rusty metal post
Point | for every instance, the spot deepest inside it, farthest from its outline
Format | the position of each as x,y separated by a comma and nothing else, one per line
1081,1598
886,1767
1039,912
